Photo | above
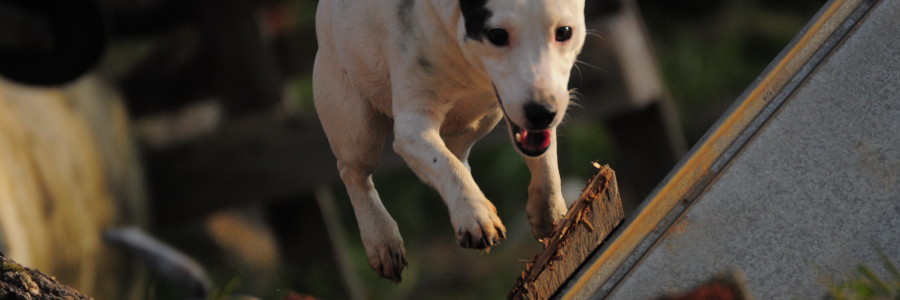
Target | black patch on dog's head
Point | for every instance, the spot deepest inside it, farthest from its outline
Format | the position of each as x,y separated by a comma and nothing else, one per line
475,14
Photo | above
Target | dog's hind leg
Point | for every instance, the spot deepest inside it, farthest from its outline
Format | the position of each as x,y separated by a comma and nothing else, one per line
357,133
546,205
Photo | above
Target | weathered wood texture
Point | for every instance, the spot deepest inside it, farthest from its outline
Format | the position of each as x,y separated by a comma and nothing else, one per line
589,221
21,283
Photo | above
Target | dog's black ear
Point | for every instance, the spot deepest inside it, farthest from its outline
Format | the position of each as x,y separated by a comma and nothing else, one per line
475,14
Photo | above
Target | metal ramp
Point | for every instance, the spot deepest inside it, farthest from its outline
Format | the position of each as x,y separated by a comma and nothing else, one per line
799,180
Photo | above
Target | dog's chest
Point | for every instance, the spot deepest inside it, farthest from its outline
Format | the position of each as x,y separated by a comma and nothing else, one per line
451,81
468,113
467,102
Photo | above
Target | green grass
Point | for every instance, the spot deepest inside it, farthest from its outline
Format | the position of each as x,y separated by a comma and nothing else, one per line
866,284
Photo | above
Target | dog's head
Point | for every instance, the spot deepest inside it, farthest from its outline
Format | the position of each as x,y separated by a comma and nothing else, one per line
528,48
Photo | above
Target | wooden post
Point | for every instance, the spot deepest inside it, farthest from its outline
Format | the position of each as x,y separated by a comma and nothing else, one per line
589,221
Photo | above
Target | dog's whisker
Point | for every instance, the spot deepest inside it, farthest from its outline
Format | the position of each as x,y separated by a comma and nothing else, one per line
574,94
580,75
577,62
574,104
596,34
574,99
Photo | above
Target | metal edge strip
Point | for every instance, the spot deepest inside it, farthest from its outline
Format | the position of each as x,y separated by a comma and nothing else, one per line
704,162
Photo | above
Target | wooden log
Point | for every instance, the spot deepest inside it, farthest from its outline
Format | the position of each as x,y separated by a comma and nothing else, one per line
18,282
589,221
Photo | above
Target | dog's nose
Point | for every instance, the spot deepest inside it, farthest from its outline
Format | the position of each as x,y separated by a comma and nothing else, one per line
538,115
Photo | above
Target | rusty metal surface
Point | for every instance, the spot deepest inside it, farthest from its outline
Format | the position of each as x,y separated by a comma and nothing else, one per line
813,194
702,165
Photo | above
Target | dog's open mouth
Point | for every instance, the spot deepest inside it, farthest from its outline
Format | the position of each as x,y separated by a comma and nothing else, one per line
530,142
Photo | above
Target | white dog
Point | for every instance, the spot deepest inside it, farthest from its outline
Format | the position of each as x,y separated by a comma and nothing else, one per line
440,74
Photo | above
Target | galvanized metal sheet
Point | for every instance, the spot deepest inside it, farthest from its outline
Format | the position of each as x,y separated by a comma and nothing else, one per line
814,193
609,264
818,61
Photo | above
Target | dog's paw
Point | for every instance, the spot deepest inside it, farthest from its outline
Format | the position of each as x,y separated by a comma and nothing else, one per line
542,228
387,257
544,214
478,226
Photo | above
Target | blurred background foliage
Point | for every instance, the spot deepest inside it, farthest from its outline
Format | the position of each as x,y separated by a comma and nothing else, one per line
710,51
197,85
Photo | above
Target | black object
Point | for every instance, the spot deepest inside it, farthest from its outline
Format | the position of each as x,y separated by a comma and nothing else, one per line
49,42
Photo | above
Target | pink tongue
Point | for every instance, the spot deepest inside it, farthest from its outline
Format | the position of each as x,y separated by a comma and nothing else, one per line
536,140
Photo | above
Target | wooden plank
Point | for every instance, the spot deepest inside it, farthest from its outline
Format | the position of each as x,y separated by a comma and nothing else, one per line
589,221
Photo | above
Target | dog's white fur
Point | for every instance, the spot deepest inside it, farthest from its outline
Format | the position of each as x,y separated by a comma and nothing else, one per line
408,67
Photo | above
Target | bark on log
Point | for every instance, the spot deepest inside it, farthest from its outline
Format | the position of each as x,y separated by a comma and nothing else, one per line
21,283
589,221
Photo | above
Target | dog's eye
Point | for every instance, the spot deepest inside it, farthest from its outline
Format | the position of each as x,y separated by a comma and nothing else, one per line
498,37
563,33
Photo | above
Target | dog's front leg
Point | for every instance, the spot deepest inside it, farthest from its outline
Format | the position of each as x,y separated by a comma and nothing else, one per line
417,139
546,205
